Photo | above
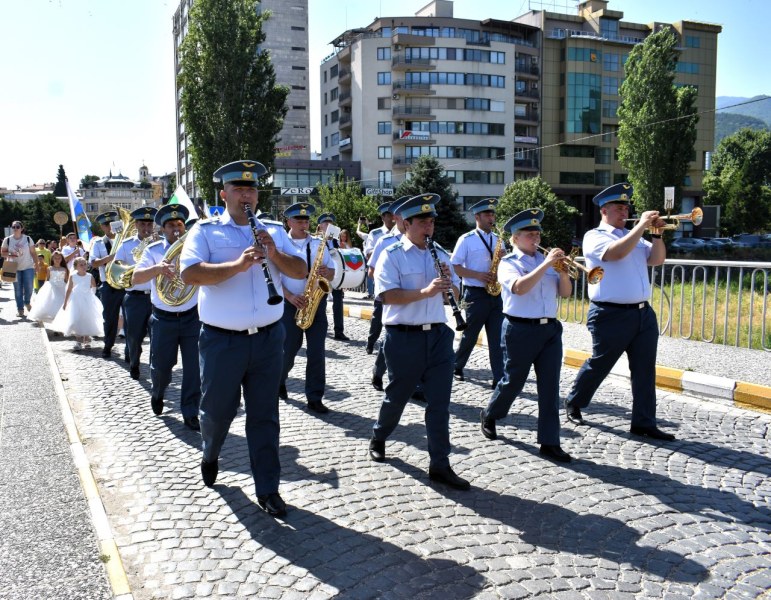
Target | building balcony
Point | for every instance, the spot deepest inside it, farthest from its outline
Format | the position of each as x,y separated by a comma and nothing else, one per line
530,116
409,39
526,164
412,89
344,55
527,70
344,99
528,95
399,62
343,76
403,162
345,121
525,139
413,138
414,113
345,145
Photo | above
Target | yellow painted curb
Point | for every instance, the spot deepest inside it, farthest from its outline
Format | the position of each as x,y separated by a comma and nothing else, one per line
669,379
752,395
346,311
114,566
366,314
575,358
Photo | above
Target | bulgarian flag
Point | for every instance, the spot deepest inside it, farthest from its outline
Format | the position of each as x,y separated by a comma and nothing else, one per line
181,198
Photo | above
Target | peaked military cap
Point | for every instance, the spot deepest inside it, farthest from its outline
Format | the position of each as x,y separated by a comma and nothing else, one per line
171,212
145,213
384,208
484,205
240,172
528,220
419,206
107,217
327,218
301,210
397,203
621,192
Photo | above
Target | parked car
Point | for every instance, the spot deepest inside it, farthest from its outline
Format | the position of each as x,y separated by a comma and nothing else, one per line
718,244
683,245
751,240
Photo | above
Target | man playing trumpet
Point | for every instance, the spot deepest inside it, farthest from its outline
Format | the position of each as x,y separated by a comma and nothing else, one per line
620,318
172,327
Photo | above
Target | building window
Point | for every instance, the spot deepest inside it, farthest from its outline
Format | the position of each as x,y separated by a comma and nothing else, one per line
384,179
325,97
584,54
384,78
334,139
609,28
326,120
620,178
384,103
602,156
325,75
326,141
687,68
335,116
384,151
570,151
610,86
332,71
610,62
299,49
297,68
692,41
384,127
583,103
384,53
296,28
602,178
333,94
569,178
609,109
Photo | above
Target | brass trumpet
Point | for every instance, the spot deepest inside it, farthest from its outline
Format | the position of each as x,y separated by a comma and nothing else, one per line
573,268
696,216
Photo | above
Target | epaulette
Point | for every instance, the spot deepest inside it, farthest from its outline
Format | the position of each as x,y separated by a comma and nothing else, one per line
509,255
465,235
210,221
377,232
393,247
274,223
155,243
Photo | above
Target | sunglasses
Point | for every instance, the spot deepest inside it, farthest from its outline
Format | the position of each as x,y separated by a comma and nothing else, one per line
15,226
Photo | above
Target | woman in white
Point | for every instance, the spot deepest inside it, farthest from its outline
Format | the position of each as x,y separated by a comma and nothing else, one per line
19,248
49,300
81,314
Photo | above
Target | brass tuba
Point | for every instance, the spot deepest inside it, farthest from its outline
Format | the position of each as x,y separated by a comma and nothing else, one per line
119,274
315,289
174,291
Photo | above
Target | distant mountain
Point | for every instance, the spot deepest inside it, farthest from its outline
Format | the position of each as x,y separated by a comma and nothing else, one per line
728,123
737,113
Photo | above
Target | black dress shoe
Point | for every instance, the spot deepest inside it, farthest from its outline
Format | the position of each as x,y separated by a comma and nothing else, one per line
418,396
652,432
377,382
448,477
157,405
342,337
209,472
134,372
106,353
370,349
272,504
192,423
458,374
377,450
555,453
488,426
282,392
574,414
317,406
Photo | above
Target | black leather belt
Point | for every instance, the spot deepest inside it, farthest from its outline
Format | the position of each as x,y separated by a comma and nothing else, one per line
173,315
137,292
250,331
426,327
541,321
636,305
474,287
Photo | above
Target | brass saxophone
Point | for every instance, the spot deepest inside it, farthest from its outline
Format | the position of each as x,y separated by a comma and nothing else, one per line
315,289
494,287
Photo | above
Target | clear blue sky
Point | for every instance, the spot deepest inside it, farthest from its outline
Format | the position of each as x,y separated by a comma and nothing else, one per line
89,83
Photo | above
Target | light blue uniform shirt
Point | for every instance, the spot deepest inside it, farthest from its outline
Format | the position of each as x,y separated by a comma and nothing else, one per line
124,255
471,253
372,238
152,256
99,250
541,300
298,248
240,302
382,243
405,266
626,281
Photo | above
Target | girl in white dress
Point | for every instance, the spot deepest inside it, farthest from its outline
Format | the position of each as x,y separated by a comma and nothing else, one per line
81,314
50,298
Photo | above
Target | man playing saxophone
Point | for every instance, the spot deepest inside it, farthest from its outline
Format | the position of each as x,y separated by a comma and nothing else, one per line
304,303
173,327
136,303
475,259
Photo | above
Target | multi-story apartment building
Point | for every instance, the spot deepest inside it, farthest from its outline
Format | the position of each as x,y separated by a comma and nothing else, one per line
582,62
464,91
286,38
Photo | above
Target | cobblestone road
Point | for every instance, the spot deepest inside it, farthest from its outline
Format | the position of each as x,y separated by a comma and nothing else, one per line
627,519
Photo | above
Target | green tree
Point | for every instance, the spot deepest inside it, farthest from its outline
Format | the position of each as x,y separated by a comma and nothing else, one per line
657,121
60,191
172,185
344,199
428,176
89,181
558,216
231,105
739,180
38,217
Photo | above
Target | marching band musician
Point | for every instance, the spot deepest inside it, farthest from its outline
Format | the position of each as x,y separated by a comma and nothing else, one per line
532,335
306,247
620,318
136,303
376,322
241,332
472,259
172,328
418,342
112,298
338,322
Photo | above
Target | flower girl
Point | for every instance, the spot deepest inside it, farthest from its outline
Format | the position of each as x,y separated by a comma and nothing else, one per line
81,314
50,297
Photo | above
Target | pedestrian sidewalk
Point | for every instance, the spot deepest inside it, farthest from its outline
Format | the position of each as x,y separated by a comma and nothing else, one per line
711,371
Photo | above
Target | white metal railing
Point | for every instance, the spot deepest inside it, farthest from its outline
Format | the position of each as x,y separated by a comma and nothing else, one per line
714,301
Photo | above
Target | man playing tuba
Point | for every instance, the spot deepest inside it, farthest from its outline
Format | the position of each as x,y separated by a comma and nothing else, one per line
174,321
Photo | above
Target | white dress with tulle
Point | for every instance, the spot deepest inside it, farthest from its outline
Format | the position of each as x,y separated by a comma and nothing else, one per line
49,298
83,315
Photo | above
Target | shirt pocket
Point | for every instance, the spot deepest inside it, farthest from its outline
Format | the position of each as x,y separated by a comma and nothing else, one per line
414,278
223,247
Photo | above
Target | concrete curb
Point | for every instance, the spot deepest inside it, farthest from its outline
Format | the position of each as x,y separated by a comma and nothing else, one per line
739,393
113,564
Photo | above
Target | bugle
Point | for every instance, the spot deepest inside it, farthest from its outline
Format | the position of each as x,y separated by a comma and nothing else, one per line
573,268
696,216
